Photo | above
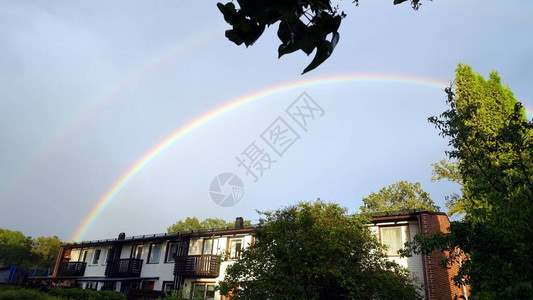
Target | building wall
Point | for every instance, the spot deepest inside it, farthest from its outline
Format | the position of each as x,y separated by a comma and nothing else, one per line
440,283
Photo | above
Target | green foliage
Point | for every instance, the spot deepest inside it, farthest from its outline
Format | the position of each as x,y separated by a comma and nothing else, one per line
192,224
46,248
490,139
81,294
399,196
19,293
182,295
446,169
20,250
305,25
315,251
15,248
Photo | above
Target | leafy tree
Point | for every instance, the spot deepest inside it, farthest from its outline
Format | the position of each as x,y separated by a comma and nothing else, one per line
315,251
446,169
192,224
20,250
304,25
490,139
46,249
14,247
402,195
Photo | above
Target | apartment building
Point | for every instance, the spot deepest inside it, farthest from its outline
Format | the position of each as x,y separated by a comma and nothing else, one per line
196,261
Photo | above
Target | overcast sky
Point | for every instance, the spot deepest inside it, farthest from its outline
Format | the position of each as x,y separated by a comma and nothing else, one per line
87,88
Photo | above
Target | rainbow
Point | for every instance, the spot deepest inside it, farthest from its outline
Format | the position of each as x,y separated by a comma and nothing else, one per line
85,114
228,107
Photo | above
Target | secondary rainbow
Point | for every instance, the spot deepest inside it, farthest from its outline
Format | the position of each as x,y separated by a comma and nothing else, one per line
41,153
249,98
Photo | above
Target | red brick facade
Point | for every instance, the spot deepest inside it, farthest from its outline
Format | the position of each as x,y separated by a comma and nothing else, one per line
440,285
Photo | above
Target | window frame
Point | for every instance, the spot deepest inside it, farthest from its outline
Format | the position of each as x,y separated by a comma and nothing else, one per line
205,284
150,248
228,247
168,254
167,283
405,236
99,251
107,254
134,248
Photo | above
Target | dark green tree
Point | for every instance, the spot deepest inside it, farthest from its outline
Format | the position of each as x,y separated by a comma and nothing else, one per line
45,249
305,25
402,195
193,224
449,170
15,248
490,138
315,251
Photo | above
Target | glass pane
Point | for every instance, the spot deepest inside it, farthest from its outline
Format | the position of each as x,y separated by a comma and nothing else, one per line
210,293
392,237
215,246
208,246
195,247
198,291
137,251
235,248
172,249
155,251
96,256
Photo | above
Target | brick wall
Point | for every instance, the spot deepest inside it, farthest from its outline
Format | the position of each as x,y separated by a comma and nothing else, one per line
440,283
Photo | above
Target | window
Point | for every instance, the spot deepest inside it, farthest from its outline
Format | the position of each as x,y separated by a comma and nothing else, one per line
107,256
137,251
148,285
201,290
83,256
172,249
235,248
155,252
208,247
195,247
168,286
96,256
394,238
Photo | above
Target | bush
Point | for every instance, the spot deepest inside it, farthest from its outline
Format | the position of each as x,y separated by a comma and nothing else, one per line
19,293
82,294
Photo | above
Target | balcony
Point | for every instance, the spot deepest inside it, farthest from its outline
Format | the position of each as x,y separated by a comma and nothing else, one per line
197,266
128,267
71,269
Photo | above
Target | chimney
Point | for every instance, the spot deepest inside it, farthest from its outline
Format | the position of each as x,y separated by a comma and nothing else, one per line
239,223
121,236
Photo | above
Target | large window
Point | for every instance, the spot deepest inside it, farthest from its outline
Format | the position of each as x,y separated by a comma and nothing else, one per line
83,256
107,256
137,251
96,256
201,290
195,247
155,252
393,238
203,246
235,248
172,249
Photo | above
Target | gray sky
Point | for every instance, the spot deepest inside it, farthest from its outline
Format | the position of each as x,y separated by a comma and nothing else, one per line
88,88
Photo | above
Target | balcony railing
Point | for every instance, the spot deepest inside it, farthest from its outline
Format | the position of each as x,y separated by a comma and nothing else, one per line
197,266
71,269
128,267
